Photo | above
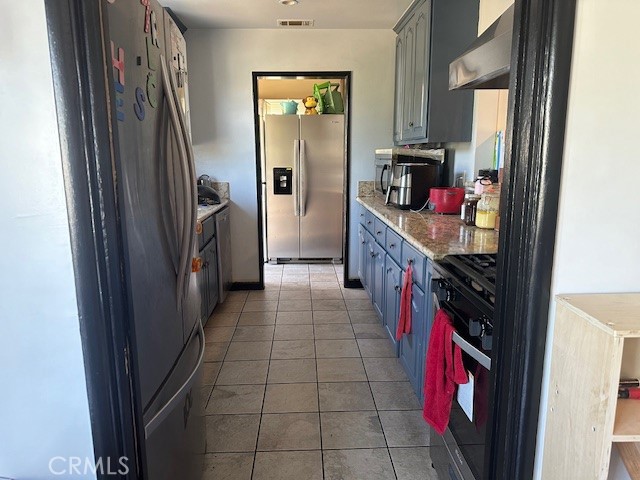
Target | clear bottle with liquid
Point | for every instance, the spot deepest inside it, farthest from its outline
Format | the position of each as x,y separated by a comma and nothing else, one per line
487,210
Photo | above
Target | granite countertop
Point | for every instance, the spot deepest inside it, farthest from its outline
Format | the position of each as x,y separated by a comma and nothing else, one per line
205,211
433,234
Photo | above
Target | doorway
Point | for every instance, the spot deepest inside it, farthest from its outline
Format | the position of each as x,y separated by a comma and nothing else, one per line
302,165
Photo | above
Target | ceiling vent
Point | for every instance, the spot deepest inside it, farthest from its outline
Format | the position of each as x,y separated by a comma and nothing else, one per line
295,23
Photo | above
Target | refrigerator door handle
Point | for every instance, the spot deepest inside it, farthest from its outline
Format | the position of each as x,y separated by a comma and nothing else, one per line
296,178
178,397
192,206
186,188
303,178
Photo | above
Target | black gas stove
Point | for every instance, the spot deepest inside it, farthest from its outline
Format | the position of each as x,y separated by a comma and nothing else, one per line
472,277
465,287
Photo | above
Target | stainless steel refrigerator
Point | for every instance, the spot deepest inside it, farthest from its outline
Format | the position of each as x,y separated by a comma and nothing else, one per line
304,169
154,170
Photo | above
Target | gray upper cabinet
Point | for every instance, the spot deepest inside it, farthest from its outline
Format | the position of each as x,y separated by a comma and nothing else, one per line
430,35
399,98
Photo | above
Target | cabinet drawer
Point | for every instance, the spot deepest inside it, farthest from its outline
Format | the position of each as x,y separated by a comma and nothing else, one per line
361,215
208,231
393,245
418,260
379,230
369,219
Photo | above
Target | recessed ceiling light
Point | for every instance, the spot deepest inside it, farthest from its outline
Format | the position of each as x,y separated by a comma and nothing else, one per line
289,2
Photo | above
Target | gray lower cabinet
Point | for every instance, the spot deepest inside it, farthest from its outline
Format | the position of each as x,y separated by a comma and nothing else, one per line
392,289
382,277
431,34
378,278
362,254
208,278
208,274
411,344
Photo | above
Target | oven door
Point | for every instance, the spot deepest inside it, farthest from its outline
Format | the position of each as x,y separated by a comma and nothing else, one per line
460,453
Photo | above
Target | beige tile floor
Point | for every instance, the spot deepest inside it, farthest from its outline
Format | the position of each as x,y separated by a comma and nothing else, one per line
301,383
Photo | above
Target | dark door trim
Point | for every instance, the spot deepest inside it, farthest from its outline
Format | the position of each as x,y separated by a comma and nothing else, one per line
258,145
539,86
76,52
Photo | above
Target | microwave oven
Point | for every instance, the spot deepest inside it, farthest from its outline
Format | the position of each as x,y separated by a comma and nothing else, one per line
383,170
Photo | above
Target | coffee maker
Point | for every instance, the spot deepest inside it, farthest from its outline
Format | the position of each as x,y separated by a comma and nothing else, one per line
412,176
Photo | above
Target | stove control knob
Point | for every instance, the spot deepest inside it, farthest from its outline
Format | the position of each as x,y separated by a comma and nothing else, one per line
487,340
475,327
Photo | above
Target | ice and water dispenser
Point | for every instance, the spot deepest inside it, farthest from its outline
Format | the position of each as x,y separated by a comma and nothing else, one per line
282,182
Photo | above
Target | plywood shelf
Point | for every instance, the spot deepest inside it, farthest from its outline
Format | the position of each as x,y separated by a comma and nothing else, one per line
596,342
626,427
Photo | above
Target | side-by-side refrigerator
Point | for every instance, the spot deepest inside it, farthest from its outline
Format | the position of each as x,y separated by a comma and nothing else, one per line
304,170
157,200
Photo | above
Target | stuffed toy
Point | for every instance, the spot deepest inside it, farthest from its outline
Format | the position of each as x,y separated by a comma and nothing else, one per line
310,104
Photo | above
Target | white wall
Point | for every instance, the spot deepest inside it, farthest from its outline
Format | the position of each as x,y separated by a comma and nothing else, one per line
489,109
598,221
43,399
221,63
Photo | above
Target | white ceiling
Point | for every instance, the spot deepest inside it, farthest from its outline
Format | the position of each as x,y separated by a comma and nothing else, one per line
264,13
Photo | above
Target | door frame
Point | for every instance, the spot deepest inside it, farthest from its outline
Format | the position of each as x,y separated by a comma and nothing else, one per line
346,77
541,53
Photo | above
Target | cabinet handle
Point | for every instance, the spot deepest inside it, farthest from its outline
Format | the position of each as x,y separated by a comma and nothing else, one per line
397,288
378,232
411,124
372,254
362,214
363,242
392,245
369,222
196,264
388,269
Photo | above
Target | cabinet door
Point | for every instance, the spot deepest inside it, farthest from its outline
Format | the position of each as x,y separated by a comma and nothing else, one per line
378,279
203,288
368,264
407,100
212,275
429,315
399,94
362,254
419,95
411,343
392,287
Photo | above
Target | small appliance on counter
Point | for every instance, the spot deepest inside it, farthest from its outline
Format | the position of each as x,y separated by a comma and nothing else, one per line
413,174
206,193
383,169
446,199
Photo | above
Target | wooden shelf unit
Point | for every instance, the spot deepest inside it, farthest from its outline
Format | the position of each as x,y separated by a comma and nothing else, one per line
596,342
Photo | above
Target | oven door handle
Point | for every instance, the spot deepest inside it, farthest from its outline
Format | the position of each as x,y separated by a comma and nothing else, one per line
472,351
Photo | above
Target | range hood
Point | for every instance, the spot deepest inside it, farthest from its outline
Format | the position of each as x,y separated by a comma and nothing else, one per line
487,62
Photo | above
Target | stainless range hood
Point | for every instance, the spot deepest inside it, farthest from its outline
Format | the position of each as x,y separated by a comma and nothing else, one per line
487,62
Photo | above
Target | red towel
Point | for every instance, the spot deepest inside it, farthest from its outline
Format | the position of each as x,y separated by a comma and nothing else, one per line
404,322
444,369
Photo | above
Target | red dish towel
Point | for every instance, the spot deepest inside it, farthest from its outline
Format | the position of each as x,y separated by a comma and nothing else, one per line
404,322
444,370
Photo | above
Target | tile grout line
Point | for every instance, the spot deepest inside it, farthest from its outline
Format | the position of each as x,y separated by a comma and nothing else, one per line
315,353
264,395
384,435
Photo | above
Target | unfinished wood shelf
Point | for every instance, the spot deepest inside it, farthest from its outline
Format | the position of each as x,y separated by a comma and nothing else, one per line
596,341
626,427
